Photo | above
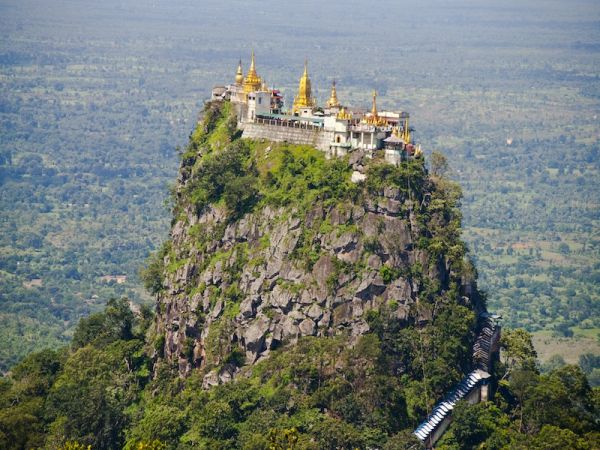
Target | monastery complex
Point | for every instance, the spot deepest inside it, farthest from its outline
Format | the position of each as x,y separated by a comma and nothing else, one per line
332,128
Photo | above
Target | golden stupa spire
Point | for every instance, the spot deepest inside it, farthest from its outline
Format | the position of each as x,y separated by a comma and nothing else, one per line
252,64
252,81
304,98
374,118
374,107
239,75
333,101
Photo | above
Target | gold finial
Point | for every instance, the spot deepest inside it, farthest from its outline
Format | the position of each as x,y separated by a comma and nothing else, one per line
252,63
374,118
374,107
239,75
333,100
304,98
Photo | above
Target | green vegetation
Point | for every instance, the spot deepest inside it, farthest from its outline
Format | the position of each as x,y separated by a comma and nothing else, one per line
98,393
152,274
81,394
318,394
296,174
226,175
409,178
244,173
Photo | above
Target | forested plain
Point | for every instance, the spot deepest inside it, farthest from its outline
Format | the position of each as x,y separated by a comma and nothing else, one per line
97,96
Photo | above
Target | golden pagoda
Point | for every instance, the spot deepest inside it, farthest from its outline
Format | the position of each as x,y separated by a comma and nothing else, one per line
252,82
374,118
304,98
239,76
333,101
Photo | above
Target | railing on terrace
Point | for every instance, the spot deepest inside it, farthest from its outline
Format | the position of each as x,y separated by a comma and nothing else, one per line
361,127
288,123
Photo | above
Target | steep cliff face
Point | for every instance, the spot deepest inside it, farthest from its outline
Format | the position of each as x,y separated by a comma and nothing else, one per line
270,243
